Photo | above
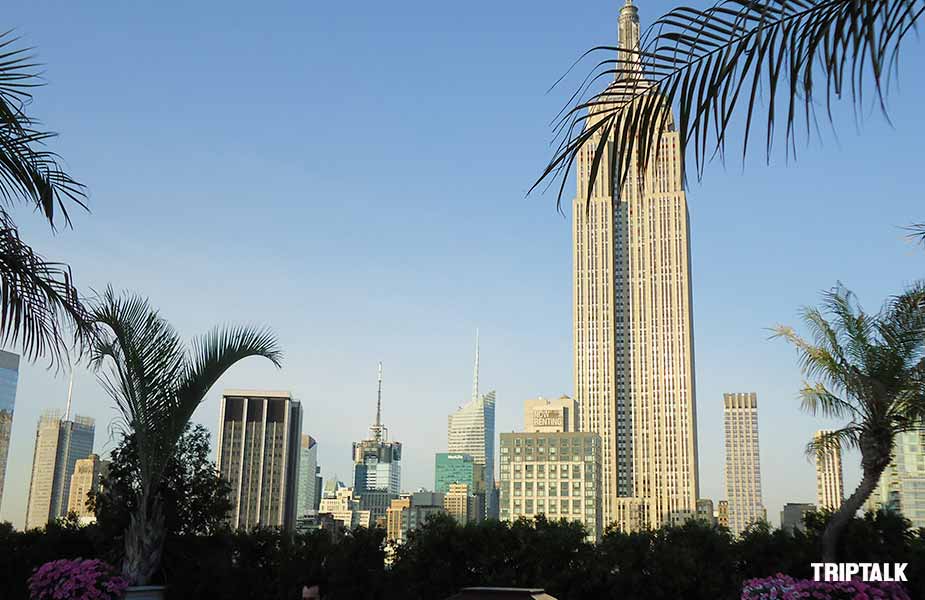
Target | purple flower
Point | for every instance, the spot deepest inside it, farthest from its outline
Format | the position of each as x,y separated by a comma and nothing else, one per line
76,579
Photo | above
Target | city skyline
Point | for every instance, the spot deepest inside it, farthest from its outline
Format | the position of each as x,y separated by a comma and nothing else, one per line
509,274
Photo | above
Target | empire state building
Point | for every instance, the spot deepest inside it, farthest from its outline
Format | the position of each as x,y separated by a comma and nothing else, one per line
633,339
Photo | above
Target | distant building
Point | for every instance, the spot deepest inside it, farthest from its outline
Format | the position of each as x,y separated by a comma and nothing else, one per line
464,505
705,511
471,430
556,474
452,468
309,480
9,377
829,482
393,518
339,501
376,502
743,465
87,475
902,486
377,461
59,444
258,454
791,517
722,513
546,415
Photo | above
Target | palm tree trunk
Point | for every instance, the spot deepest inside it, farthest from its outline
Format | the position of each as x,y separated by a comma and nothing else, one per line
847,510
144,540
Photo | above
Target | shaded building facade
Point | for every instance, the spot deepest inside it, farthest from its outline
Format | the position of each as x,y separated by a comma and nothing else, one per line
9,378
258,454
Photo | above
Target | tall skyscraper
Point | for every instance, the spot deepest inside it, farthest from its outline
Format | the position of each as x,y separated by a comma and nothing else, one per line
376,460
86,477
743,465
902,485
258,453
9,377
59,444
829,484
471,430
542,414
309,481
633,340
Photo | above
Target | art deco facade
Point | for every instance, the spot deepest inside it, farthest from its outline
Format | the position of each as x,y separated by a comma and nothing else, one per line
743,464
555,474
902,485
829,484
9,377
59,444
258,453
633,340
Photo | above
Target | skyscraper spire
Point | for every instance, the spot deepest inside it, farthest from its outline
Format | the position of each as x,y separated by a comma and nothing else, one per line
628,34
377,428
70,389
475,377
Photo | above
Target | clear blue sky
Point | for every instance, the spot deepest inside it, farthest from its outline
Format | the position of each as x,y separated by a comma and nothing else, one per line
354,175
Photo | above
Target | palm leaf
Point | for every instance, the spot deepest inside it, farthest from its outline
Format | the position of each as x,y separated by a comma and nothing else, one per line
28,171
39,301
731,60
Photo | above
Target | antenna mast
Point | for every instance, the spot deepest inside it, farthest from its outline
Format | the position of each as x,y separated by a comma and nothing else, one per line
377,428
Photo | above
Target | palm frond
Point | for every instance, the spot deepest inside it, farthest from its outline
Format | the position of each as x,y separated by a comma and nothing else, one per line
816,360
39,302
212,355
28,171
146,359
817,399
828,441
739,58
155,382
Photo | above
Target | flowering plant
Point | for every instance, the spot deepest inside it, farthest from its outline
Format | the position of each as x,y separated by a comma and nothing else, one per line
76,579
782,587
769,588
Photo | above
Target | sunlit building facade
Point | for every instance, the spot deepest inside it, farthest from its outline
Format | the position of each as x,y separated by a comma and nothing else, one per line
743,463
829,481
553,474
633,339
59,444
902,485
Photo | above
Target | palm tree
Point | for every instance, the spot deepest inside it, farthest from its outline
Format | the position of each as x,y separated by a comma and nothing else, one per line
764,60
38,299
157,383
870,370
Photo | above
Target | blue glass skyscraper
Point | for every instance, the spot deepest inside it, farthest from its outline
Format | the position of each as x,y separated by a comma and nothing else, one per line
9,378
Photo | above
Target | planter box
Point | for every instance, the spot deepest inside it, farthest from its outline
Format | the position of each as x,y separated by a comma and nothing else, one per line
146,592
